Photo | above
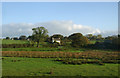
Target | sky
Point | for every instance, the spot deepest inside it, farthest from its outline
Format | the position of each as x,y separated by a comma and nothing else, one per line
18,18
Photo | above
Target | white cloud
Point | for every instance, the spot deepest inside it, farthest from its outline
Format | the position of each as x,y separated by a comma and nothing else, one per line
69,28
86,29
109,33
16,29
54,27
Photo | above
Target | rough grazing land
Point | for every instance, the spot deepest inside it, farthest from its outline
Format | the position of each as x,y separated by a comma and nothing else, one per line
14,42
20,66
36,63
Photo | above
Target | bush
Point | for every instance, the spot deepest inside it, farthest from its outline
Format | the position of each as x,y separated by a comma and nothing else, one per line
79,62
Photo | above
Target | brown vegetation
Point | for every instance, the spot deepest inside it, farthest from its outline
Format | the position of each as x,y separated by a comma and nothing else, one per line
87,54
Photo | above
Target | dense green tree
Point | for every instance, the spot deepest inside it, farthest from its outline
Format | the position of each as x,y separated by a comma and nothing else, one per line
39,35
118,35
15,38
116,42
94,37
89,36
111,37
78,40
99,36
22,37
66,39
75,36
7,38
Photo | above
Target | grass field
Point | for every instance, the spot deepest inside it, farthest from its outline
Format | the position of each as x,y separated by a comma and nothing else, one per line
43,49
93,41
24,42
20,65
54,49
48,67
14,42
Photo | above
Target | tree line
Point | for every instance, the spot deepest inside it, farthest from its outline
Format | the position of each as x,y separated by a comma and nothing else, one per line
40,34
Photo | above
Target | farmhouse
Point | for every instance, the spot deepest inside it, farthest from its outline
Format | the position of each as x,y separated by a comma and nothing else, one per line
56,40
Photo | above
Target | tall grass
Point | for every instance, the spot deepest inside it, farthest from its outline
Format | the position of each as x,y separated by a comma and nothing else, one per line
18,66
86,55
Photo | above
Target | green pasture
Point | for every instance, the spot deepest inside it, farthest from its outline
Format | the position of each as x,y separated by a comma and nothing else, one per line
19,66
48,49
44,49
92,41
25,42
15,41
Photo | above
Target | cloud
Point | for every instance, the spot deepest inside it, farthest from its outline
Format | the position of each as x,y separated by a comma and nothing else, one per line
68,27
16,29
86,29
54,27
109,33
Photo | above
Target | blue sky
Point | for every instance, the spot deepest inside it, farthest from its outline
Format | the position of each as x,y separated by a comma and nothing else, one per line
102,16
